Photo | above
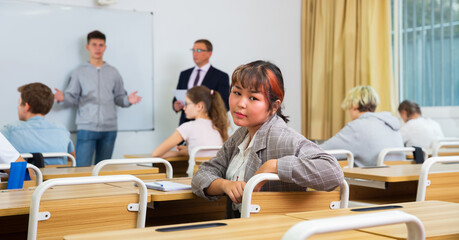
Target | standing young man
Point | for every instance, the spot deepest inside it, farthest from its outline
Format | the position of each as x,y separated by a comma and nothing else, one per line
202,74
33,134
96,88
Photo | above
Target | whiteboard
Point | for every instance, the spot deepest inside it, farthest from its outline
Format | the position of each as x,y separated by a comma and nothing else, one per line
45,43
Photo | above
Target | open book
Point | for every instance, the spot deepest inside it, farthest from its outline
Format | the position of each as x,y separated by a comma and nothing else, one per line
167,186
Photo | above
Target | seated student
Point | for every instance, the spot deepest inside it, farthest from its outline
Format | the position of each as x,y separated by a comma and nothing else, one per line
210,127
368,133
33,134
417,131
263,144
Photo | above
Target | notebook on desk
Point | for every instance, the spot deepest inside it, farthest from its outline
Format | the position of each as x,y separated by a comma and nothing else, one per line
167,186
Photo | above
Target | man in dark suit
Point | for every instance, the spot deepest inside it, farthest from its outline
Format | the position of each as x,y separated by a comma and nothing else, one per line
202,74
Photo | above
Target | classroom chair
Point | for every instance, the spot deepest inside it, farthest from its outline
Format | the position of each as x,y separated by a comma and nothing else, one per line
192,160
450,142
349,157
53,155
442,184
382,155
103,163
286,202
59,217
38,174
305,229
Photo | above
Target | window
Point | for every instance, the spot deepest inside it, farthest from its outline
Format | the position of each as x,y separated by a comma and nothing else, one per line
426,43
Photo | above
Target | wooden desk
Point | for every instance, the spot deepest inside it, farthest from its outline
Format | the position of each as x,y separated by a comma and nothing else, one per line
399,182
395,173
440,219
179,164
266,227
17,201
180,206
15,204
142,172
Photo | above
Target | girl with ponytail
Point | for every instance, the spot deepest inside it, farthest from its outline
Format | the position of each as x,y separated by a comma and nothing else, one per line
210,127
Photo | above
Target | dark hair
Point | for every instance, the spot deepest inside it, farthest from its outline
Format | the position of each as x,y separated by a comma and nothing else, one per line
96,35
214,107
265,76
39,97
206,42
410,108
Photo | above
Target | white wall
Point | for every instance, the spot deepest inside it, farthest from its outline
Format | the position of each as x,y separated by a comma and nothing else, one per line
447,117
240,30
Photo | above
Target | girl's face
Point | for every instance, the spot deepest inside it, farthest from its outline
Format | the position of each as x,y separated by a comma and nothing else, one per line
249,108
192,110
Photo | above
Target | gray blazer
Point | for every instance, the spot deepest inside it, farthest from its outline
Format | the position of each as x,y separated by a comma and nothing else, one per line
300,163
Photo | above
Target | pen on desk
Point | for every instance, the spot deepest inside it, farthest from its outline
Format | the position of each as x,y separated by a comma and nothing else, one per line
159,184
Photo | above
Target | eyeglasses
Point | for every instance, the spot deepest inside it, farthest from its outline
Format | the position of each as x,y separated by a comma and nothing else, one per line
199,50
187,104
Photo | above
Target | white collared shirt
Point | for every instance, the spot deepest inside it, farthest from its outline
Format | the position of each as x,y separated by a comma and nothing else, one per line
236,168
202,74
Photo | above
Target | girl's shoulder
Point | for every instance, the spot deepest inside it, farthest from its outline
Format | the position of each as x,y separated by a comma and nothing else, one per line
195,123
278,129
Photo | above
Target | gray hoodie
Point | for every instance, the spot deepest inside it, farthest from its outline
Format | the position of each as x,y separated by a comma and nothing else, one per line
96,91
366,136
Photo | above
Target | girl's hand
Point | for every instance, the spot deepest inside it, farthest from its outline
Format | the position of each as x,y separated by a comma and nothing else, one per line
234,190
269,166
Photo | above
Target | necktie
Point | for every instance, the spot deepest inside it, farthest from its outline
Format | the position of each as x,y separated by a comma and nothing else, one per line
196,80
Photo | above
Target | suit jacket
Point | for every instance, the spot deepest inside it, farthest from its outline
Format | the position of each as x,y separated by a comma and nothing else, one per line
215,80
300,163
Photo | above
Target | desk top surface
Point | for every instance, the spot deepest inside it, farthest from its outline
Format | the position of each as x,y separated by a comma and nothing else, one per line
62,172
17,202
439,218
148,155
159,196
262,227
170,159
395,173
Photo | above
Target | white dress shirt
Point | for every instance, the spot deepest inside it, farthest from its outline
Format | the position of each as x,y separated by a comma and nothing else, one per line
237,166
202,74
421,132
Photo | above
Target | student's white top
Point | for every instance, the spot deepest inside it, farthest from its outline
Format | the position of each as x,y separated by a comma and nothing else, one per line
7,152
420,132
237,166
200,132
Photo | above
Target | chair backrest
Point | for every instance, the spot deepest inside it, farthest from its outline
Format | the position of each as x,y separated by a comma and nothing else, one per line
349,156
77,211
305,229
440,185
285,202
192,159
38,174
437,145
53,155
382,155
101,164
